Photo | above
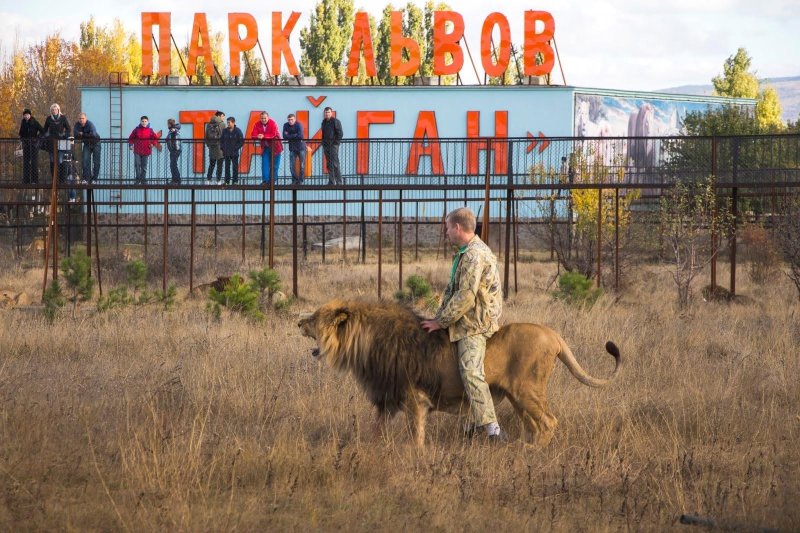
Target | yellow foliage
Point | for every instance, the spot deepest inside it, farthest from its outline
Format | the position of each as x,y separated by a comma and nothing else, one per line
591,168
586,206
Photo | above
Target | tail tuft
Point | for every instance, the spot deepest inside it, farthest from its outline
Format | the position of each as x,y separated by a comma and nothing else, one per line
612,349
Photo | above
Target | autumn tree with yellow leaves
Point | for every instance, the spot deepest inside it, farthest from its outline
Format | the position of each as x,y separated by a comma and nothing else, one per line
53,70
572,214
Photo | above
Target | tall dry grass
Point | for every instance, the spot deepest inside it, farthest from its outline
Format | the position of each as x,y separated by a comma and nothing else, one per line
149,420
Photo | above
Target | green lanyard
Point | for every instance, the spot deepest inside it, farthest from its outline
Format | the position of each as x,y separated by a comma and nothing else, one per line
456,259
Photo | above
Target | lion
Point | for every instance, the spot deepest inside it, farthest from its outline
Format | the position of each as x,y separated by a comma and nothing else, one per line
400,367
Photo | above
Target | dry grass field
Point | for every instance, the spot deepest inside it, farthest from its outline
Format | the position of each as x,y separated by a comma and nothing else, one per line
143,419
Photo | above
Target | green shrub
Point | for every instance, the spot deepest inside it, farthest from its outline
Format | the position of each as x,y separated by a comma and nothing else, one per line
576,288
136,275
417,288
136,281
237,296
54,300
267,282
166,298
117,297
402,296
77,271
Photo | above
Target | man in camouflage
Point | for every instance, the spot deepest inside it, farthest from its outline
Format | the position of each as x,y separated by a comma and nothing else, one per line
470,310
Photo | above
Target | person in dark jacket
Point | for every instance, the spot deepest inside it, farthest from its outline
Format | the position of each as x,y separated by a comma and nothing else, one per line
293,132
331,138
213,134
85,132
29,132
231,142
56,127
174,149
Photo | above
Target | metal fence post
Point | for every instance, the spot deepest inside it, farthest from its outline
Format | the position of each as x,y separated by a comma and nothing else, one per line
191,242
599,233
486,196
380,241
734,213
713,228
166,238
400,240
295,289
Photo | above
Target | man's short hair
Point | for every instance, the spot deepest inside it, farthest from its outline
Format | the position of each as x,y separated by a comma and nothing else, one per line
291,115
232,119
219,114
464,217
328,109
143,117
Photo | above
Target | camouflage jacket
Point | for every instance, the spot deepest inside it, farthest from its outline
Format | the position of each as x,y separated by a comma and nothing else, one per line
473,300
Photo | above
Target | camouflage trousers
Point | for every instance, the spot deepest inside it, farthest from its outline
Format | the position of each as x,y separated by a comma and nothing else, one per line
471,351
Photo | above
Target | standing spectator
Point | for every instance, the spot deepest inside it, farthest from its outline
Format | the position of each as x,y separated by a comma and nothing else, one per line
212,135
174,149
56,127
293,132
266,131
85,132
142,140
29,132
231,142
331,138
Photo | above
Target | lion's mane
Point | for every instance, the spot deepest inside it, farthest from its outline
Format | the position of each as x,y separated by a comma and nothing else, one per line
384,347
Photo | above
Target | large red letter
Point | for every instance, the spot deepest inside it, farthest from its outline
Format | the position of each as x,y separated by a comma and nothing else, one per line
499,148
162,20
198,121
363,121
236,44
361,37
280,43
398,67
538,43
198,49
447,43
426,129
496,70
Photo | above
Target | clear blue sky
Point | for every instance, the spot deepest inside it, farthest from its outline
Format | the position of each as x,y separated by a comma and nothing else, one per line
621,44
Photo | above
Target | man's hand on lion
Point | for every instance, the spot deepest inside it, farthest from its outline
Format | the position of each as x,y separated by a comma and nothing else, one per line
431,325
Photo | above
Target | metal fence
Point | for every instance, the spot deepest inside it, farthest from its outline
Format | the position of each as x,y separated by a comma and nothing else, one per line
402,182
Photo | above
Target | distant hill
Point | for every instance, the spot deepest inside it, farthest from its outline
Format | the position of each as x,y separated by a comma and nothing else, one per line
788,91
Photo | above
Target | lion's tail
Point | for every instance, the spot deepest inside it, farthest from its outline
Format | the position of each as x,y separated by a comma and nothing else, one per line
577,370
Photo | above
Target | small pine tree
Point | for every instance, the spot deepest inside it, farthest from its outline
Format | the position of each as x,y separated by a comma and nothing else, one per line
575,288
77,271
136,275
237,296
267,282
167,298
54,300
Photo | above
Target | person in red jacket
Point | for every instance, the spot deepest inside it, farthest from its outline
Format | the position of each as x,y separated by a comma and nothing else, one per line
142,140
266,132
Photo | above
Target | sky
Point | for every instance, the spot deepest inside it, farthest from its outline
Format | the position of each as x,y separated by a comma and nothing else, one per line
610,44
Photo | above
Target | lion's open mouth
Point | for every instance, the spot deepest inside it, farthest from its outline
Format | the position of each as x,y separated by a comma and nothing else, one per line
315,352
